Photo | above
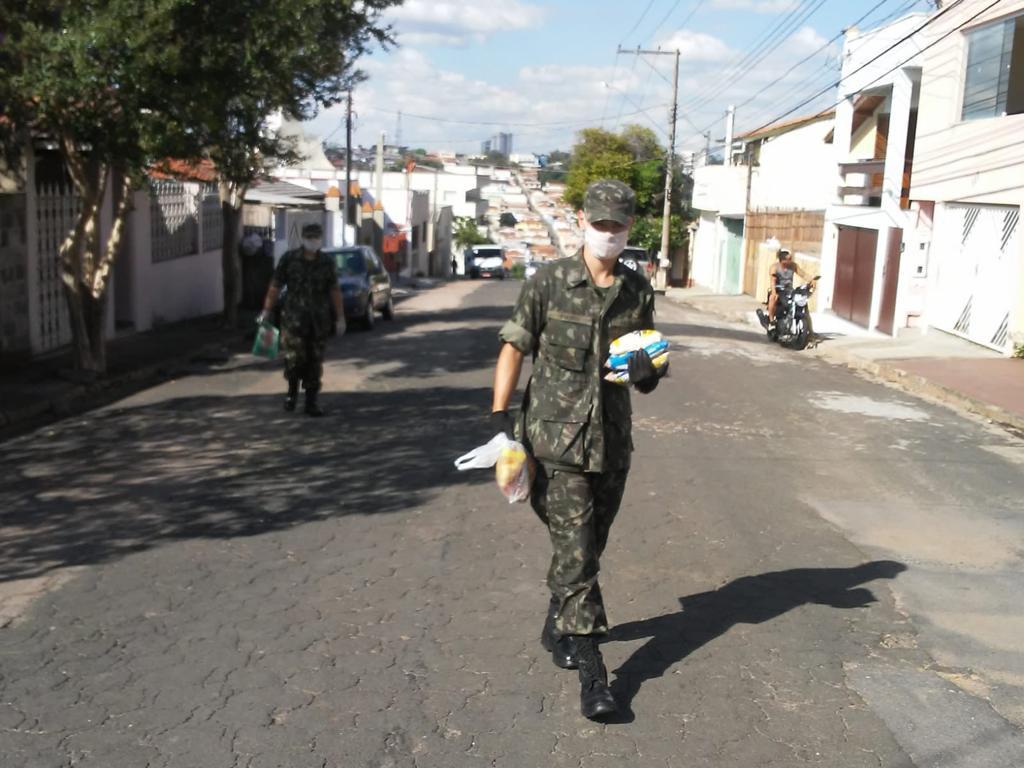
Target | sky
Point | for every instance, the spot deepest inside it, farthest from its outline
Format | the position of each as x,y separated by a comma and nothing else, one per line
463,70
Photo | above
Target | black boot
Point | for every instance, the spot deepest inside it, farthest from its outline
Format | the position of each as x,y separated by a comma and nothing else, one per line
312,408
562,648
596,698
293,395
762,317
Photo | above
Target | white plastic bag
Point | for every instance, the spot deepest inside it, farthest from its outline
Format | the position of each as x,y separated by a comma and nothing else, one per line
514,467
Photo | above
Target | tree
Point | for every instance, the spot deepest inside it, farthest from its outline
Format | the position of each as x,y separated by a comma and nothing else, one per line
466,233
88,76
634,157
493,158
228,124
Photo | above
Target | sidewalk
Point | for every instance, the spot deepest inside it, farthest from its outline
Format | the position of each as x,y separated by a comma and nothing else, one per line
932,363
41,390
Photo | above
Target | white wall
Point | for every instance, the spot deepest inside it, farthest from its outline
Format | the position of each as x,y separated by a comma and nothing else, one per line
860,48
720,188
796,170
704,267
978,161
169,291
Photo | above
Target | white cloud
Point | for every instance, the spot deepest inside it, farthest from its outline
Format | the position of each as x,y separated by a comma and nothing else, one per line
572,96
459,22
757,6
575,95
696,46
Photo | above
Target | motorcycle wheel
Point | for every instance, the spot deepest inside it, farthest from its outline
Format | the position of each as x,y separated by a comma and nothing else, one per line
802,336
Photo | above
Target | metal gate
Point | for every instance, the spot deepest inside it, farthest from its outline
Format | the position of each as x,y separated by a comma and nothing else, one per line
730,257
57,208
975,248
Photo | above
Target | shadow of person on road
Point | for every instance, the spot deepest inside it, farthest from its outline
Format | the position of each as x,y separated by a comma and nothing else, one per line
746,600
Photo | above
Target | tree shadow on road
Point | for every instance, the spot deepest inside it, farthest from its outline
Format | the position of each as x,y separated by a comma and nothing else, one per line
747,600
128,480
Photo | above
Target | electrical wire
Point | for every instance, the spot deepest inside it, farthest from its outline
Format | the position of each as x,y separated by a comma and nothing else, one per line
764,89
781,34
875,58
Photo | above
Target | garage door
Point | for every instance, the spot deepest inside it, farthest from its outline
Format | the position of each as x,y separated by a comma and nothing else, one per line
975,247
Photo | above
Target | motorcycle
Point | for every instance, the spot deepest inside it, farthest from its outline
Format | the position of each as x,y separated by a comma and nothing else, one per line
792,327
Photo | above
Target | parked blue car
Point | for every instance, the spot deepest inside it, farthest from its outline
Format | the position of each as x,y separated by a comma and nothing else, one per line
365,284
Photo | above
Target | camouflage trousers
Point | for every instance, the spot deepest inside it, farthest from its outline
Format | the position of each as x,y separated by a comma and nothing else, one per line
303,358
578,509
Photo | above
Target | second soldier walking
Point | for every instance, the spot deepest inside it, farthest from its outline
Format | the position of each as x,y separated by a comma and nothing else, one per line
312,311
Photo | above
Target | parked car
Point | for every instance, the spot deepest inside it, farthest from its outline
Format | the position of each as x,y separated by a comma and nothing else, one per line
486,261
531,269
365,284
639,260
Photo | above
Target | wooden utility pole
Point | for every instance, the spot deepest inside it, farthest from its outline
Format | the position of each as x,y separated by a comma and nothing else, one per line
671,160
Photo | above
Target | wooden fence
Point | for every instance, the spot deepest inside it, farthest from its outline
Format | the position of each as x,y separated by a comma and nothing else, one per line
800,231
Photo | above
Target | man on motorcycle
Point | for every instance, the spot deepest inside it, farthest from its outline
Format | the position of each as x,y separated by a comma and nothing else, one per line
782,279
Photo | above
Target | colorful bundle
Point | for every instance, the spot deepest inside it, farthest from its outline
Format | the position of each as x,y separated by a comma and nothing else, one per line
619,351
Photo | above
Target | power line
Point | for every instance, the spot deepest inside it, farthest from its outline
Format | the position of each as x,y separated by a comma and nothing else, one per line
683,23
771,43
638,21
836,83
807,58
875,58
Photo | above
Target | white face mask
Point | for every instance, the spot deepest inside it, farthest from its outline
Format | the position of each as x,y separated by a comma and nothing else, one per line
312,244
605,245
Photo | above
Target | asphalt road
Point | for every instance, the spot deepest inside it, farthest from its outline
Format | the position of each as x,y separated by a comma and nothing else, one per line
809,568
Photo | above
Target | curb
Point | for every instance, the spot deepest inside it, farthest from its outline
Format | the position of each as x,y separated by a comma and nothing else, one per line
915,384
75,399
911,383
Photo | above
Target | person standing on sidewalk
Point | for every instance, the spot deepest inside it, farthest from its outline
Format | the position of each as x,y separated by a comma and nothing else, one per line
312,311
574,423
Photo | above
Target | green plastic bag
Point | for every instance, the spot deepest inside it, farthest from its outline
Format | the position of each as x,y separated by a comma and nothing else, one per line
267,342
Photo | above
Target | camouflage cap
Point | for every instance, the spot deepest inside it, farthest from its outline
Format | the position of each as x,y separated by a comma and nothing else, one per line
312,230
609,200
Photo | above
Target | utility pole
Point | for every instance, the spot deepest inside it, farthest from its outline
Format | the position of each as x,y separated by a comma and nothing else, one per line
730,127
673,117
348,169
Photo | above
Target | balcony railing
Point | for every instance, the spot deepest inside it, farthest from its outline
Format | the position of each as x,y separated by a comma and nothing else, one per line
861,179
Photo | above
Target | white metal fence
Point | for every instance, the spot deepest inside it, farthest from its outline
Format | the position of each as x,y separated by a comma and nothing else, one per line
57,207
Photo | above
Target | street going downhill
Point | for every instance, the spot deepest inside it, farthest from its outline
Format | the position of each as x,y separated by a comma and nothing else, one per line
807,568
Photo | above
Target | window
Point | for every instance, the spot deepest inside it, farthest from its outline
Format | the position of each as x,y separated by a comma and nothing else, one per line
994,84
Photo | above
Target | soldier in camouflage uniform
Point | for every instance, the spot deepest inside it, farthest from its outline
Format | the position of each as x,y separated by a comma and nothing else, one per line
576,425
312,311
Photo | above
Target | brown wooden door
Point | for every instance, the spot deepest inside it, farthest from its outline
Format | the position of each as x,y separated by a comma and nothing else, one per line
890,282
855,274
842,298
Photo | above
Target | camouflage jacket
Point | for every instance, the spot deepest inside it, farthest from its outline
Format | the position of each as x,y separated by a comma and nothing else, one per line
573,419
307,304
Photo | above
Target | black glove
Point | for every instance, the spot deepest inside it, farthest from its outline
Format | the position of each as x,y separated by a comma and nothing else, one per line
642,373
501,421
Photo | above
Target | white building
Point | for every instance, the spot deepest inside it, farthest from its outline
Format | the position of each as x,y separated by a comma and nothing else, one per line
968,174
871,221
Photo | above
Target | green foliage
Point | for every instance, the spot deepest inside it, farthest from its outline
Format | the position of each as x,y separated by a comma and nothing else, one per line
646,232
642,142
635,157
1018,351
466,233
492,158
237,50
517,271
